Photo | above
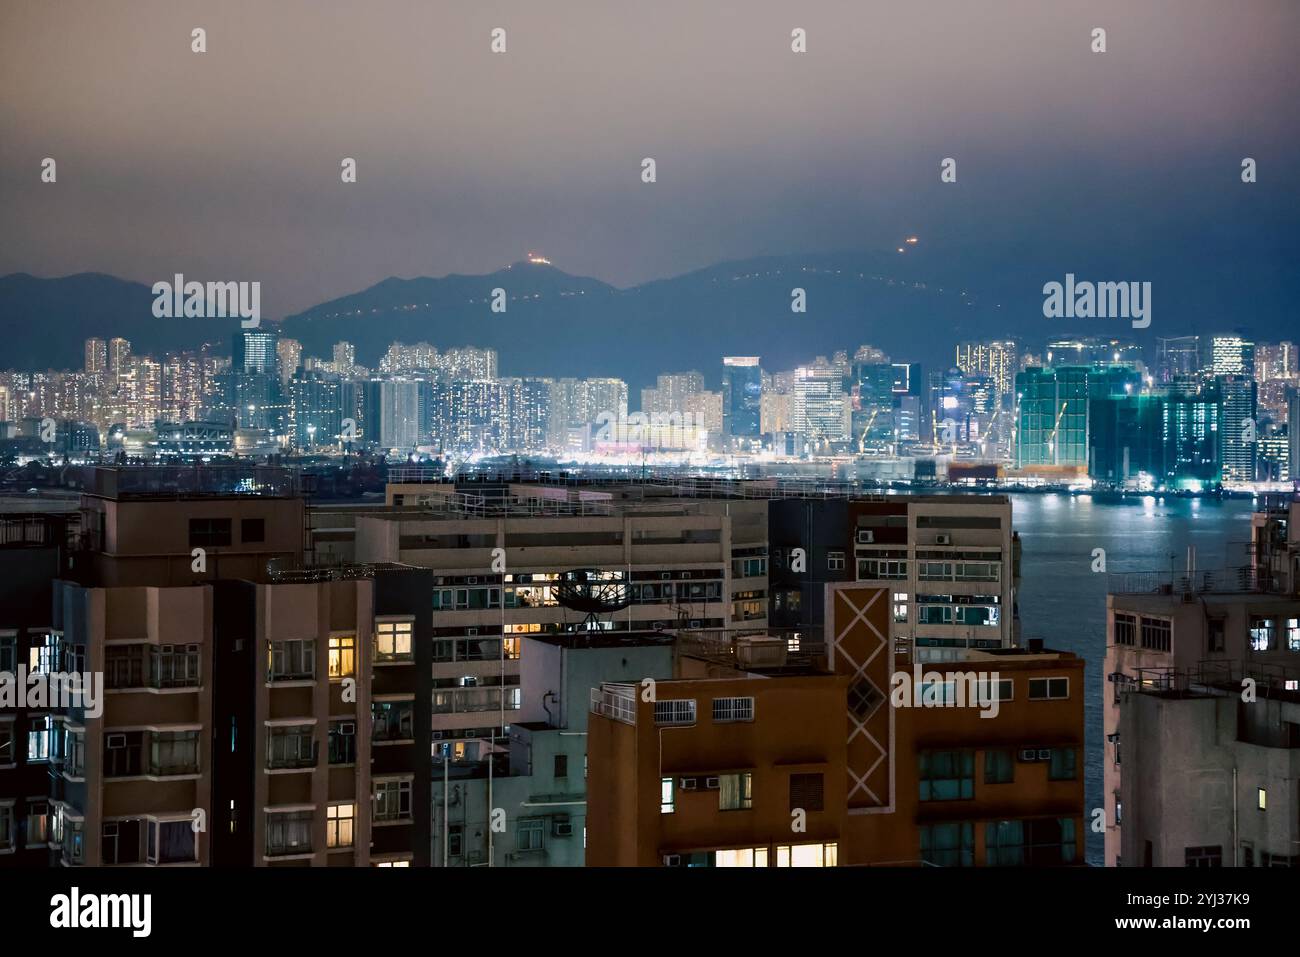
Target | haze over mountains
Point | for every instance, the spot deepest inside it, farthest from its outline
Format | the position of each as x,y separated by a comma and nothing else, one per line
914,305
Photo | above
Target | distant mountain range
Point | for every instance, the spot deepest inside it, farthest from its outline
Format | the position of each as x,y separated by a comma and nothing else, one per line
913,305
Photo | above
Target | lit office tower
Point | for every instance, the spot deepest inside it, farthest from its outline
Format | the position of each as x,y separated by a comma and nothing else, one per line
1177,357
742,395
345,357
872,388
119,355
4,404
818,408
1052,427
997,360
1093,351
96,356
254,352
1238,434
1192,424
289,352
1227,355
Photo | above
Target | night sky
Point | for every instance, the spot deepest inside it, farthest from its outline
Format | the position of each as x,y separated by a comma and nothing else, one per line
225,165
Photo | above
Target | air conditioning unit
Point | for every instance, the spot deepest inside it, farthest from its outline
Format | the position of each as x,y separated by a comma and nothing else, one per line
672,860
165,649
690,784
711,784
347,728
1044,754
561,827
115,741
943,538
471,632
1029,754
665,576
866,536
472,580
695,623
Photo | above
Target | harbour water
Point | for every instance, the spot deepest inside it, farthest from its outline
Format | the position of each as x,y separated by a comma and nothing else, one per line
1063,601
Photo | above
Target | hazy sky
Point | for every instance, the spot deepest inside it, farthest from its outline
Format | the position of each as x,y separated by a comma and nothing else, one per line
225,165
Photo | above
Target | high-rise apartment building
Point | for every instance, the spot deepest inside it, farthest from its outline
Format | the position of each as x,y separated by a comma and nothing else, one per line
96,356
504,561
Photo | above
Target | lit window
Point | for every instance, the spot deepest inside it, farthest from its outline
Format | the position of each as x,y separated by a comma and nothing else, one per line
339,819
735,791
1261,799
393,640
667,795
343,656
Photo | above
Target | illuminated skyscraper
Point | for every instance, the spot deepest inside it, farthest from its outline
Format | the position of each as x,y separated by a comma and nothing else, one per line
742,396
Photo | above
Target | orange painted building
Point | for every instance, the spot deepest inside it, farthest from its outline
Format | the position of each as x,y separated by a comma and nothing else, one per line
714,769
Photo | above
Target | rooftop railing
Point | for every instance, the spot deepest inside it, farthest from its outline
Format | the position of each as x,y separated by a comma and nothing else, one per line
615,702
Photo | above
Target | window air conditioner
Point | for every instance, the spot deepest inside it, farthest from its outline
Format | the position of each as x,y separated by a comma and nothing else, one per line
943,539
866,536
672,860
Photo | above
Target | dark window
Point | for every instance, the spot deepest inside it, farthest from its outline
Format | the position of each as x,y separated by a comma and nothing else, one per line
1203,856
999,767
1062,766
209,532
807,792
252,530
455,840
561,765
948,845
947,775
